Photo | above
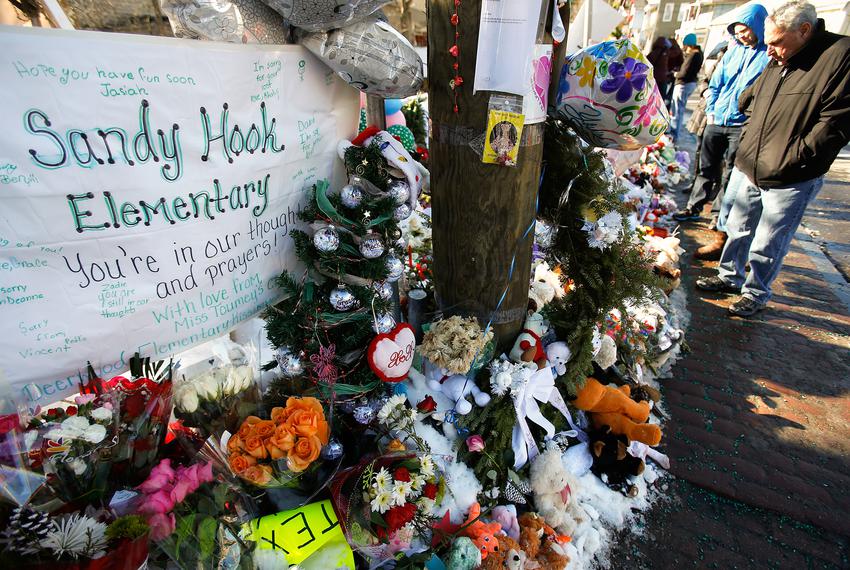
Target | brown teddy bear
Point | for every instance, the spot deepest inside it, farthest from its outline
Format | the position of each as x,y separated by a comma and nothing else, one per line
540,543
613,407
509,556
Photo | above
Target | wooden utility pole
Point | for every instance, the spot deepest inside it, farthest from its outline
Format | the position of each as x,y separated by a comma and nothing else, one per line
480,211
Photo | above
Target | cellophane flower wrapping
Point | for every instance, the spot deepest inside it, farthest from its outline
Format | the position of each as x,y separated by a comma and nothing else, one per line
387,504
195,512
219,395
144,405
75,447
280,455
608,94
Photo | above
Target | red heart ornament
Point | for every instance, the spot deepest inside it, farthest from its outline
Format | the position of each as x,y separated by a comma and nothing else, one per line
390,355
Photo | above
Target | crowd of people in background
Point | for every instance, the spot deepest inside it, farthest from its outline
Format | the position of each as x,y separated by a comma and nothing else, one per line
772,117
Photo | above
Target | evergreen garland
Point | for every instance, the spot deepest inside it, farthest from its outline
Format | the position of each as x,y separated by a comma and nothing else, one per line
575,188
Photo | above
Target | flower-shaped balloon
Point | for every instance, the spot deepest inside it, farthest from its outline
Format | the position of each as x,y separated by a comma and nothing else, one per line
625,78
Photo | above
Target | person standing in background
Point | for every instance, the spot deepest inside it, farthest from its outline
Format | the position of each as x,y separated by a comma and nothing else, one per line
686,82
738,69
658,58
675,60
800,121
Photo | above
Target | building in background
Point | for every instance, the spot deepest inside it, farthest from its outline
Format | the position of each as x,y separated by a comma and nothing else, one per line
657,18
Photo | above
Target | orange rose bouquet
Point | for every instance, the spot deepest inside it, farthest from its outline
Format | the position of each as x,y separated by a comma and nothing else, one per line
272,452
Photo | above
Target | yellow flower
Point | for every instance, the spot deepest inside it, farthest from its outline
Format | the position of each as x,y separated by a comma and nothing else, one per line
586,72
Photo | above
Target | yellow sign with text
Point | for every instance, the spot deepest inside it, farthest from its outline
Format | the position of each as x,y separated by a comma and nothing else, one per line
310,536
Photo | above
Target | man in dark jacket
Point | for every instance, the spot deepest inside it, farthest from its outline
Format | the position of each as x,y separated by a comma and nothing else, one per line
800,121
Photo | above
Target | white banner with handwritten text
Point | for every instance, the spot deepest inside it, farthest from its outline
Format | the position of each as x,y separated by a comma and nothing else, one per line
147,190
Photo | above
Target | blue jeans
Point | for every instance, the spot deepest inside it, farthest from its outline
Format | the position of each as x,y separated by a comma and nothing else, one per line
736,180
681,93
760,228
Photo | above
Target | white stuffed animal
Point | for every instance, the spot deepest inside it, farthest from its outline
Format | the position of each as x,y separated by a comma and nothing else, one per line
528,346
554,488
558,354
456,388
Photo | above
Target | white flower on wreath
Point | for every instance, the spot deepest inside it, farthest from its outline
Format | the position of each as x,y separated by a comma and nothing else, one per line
382,502
76,535
605,231
417,482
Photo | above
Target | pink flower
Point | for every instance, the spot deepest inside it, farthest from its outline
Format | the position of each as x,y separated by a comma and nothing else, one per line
157,503
182,488
160,478
162,525
205,473
84,399
475,443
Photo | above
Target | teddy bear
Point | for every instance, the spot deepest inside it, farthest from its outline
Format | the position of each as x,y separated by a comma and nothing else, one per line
509,556
558,354
614,407
528,346
554,487
611,461
483,534
539,294
540,543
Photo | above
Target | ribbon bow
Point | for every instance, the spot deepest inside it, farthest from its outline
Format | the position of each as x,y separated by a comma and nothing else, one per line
539,387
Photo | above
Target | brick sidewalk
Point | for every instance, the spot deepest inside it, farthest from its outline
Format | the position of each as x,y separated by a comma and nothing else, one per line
758,437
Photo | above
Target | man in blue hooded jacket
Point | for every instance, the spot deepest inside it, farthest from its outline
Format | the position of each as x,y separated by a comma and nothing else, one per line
738,69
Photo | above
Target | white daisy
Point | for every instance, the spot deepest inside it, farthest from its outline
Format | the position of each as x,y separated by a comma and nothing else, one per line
401,490
426,466
382,480
382,502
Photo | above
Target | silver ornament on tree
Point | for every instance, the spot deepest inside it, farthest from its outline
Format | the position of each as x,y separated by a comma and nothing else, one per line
289,362
402,212
395,267
342,299
351,196
333,450
383,290
383,323
371,246
400,244
399,191
326,239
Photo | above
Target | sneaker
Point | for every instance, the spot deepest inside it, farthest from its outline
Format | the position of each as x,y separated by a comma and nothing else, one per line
745,307
716,284
685,215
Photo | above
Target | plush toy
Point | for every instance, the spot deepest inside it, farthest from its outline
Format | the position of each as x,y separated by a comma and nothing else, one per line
506,516
611,461
464,555
558,354
613,407
528,346
540,544
456,388
553,487
604,349
509,556
539,294
483,534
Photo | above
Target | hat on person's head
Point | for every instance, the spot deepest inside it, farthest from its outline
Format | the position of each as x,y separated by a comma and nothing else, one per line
690,40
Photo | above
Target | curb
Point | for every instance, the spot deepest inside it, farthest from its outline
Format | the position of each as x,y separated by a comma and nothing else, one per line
833,278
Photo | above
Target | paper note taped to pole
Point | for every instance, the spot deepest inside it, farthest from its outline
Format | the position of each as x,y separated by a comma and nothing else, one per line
147,190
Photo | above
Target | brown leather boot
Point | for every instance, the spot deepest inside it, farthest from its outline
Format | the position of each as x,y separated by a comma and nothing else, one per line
712,251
